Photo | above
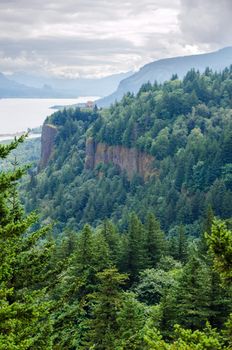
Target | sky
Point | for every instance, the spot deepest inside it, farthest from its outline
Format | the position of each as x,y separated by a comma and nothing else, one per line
95,38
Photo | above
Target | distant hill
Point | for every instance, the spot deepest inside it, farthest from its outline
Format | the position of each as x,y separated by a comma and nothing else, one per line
72,88
11,89
163,69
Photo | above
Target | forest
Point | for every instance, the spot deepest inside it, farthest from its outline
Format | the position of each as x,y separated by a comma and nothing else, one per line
187,127
93,259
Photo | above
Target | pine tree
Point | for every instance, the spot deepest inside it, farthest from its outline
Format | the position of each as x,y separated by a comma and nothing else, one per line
181,244
155,244
220,245
131,319
112,238
84,254
76,284
24,262
193,295
70,294
106,303
207,224
135,250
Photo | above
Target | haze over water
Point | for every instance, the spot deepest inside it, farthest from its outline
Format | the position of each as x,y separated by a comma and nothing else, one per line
19,114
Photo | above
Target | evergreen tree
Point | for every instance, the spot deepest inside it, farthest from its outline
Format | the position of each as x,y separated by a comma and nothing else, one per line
182,245
185,339
106,303
135,252
24,261
207,224
131,319
71,295
154,241
112,238
193,294
220,245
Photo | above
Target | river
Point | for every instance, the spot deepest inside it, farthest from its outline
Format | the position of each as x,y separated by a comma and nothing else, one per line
19,114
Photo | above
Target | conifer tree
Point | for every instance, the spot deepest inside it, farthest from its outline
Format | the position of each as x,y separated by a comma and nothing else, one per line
131,320
193,295
135,254
220,244
112,238
106,303
24,261
155,244
181,244
72,311
206,228
207,224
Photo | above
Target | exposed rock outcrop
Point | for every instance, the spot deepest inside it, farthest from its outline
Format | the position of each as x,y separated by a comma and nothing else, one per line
49,133
128,159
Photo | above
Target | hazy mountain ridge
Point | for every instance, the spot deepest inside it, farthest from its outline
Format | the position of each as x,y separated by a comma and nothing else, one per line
11,89
24,84
163,69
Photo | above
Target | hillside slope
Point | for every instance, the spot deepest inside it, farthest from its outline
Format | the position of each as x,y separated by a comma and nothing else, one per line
182,134
163,69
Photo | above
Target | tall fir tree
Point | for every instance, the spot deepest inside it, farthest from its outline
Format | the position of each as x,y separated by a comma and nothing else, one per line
106,303
112,238
155,244
220,245
24,263
135,248
193,295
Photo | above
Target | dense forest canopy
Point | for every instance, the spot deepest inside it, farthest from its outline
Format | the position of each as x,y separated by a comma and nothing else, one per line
187,127
105,289
120,263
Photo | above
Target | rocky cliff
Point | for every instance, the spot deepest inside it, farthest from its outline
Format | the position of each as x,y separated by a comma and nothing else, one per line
49,133
128,159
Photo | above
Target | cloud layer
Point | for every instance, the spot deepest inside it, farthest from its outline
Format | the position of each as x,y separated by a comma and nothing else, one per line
100,37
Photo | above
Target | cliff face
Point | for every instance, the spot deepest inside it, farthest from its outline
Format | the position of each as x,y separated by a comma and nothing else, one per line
47,143
128,159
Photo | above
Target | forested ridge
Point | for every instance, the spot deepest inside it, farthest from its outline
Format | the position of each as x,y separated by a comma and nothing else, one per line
112,262
187,127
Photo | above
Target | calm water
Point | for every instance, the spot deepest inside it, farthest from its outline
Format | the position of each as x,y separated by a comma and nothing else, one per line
18,114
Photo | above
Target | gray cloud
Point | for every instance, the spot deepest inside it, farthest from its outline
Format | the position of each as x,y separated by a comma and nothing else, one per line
100,37
206,22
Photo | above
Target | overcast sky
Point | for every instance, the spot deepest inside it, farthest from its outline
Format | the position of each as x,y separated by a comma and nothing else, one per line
101,37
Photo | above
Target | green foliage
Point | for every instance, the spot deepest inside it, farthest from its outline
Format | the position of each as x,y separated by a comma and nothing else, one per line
155,243
80,284
220,244
186,340
76,283
131,319
154,284
110,234
106,302
193,294
135,253
26,152
186,125
24,265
